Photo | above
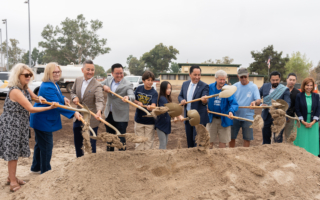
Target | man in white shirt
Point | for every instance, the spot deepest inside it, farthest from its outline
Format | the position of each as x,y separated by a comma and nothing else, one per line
194,89
87,90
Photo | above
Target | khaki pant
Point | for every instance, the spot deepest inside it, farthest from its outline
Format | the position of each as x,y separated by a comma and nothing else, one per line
216,129
147,131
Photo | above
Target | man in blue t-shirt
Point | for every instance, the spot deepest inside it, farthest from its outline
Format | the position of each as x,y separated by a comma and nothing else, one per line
144,126
247,94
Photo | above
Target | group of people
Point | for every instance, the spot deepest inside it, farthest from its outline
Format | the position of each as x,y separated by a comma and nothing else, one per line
15,119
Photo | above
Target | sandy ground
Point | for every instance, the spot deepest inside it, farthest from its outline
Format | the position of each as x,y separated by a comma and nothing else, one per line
64,153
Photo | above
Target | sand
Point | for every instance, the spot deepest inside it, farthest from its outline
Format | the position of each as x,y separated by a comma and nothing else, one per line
278,171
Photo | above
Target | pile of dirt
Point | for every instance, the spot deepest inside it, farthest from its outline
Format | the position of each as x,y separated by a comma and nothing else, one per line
278,171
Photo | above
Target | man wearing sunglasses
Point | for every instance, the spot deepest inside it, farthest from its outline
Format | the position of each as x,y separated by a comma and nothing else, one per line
247,94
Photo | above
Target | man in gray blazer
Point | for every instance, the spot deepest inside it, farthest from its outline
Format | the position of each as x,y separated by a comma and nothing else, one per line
117,110
87,90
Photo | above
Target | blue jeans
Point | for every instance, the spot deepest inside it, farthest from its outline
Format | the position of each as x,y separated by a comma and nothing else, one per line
247,132
122,128
42,151
78,139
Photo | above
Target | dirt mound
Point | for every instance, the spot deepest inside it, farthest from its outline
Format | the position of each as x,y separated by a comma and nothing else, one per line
276,171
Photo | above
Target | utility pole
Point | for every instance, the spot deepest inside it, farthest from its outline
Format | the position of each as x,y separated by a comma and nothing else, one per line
1,49
28,2
6,22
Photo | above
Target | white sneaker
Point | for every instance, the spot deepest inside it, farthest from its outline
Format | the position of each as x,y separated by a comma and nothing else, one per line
35,172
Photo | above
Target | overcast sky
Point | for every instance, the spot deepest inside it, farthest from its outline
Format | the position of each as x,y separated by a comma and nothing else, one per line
200,30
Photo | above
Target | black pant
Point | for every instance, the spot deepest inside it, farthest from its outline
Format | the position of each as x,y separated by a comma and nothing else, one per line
266,132
121,126
78,139
191,134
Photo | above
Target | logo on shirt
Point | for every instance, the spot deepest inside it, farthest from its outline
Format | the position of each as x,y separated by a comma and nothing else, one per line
249,94
217,101
144,98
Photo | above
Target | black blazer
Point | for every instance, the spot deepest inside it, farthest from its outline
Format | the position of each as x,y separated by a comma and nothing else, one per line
301,106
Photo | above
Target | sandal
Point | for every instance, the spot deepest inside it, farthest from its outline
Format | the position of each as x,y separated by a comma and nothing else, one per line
14,188
20,182
8,181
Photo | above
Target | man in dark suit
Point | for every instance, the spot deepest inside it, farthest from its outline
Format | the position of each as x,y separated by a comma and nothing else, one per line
194,89
272,91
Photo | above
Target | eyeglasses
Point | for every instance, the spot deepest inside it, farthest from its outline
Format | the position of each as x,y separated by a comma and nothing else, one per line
243,77
118,74
57,72
27,75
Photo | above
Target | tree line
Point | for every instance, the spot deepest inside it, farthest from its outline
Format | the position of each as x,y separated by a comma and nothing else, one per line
76,40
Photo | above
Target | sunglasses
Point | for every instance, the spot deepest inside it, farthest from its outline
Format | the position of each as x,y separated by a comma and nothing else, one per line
243,77
27,75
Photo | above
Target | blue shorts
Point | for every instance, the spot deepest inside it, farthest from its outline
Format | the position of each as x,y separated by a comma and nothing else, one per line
246,131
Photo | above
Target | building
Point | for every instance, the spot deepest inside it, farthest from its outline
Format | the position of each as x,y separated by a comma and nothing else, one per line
208,74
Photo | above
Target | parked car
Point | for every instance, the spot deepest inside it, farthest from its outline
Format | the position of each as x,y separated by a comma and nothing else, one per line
4,77
137,80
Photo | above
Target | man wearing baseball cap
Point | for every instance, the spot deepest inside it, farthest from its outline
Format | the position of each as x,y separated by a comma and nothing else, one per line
247,94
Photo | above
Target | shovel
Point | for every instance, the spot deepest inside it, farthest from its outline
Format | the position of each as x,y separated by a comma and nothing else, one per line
103,121
85,123
131,103
193,117
257,122
131,137
278,104
86,115
226,92
85,112
173,109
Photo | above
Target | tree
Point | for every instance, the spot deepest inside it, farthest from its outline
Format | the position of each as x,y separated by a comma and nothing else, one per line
175,67
99,71
277,62
136,67
224,60
158,58
36,57
73,42
129,58
300,65
14,52
315,73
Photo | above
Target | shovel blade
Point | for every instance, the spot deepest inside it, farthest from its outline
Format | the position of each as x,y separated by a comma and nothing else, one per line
174,109
227,91
194,117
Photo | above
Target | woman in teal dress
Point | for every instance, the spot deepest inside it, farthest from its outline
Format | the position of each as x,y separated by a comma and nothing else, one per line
308,110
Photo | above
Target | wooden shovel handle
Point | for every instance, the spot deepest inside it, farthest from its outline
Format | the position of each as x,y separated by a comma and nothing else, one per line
255,107
85,123
48,103
184,119
102,120
233,117
152,107
199,99
131,103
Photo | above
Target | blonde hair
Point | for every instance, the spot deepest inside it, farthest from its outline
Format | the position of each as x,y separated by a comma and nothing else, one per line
48,72
16,71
